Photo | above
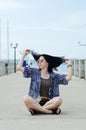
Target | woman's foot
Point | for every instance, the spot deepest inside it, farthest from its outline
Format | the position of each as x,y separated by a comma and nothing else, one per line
56,111
34,112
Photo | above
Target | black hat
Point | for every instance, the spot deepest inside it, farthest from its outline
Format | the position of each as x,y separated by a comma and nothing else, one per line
52,60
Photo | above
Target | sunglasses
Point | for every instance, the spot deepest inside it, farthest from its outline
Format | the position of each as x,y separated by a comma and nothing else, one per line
40,61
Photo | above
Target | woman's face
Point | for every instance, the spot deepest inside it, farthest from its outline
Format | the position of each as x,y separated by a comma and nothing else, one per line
42,63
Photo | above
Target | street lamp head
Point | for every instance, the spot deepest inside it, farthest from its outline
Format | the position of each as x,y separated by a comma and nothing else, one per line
79,42
11,44
16,44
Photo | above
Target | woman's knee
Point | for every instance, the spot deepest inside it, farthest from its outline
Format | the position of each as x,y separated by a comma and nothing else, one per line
27,99
59,100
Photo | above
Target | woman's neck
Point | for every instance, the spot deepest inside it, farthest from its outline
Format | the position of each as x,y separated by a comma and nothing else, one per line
45,74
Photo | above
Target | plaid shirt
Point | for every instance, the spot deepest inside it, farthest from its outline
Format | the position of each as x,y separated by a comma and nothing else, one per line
35,75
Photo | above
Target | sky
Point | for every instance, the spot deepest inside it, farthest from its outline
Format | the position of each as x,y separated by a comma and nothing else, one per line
55,27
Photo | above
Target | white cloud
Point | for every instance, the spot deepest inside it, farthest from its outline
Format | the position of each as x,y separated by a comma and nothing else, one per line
75,19
69,23
14,5
45,28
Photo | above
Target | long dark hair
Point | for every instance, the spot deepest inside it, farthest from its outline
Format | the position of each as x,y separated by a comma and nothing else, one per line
53,61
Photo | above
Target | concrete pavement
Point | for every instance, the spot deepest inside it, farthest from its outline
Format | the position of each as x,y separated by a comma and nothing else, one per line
14,115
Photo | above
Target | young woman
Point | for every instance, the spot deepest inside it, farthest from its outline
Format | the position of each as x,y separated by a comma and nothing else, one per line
43,95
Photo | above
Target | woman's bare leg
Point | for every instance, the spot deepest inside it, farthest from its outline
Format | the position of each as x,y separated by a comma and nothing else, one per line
33,104
53,103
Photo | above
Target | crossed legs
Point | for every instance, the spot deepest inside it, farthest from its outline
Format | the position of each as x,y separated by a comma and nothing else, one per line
47,108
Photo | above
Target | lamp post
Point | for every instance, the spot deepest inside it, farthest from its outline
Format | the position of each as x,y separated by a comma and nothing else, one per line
81,44
14,46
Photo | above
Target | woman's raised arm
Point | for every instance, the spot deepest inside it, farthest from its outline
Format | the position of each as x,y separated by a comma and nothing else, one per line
19,66
69,66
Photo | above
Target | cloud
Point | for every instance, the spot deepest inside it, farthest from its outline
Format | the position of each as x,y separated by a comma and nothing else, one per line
14,5
71,22
75,19
74,22
43,28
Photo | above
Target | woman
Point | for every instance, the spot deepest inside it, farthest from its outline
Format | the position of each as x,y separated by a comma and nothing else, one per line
44,83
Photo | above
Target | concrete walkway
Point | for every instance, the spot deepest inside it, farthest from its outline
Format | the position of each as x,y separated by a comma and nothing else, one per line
14,115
